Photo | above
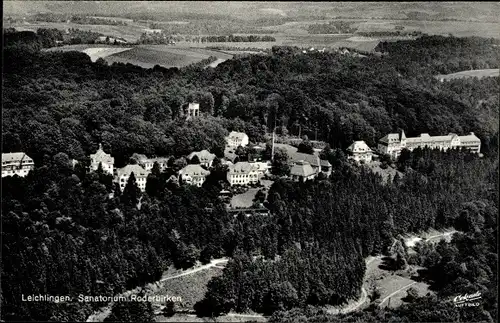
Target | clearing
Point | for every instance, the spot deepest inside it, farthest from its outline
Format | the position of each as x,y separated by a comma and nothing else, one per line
492,72
148,56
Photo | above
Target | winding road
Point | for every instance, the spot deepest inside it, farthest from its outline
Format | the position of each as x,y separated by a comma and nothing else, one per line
102,313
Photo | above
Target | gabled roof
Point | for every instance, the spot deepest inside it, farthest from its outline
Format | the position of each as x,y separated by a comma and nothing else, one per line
14,157
101,156
325,163
389,138
203,156
237,135
359,146
302,168
313,160
194,170
136,169
242,168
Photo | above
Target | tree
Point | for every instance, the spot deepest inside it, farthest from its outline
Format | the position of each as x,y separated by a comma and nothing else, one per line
280,165
131,192
306,147
281,296
411,295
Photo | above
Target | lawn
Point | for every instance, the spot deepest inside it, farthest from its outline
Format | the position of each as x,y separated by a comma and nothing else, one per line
244,199
191,288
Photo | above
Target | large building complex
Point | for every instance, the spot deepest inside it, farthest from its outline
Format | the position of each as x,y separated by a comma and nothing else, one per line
393,143
16,164
140,174
243,173
100,157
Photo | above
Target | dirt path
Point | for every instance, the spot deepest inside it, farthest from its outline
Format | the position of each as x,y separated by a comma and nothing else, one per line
103,312
394,293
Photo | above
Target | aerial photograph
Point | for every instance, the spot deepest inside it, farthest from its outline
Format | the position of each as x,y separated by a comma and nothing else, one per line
244,161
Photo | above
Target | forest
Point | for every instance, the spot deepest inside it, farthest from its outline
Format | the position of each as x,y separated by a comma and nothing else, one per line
64,229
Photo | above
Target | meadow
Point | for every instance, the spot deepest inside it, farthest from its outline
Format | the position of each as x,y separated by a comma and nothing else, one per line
148,56
492,72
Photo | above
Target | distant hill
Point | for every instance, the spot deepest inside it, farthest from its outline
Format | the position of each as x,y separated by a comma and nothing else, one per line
480,11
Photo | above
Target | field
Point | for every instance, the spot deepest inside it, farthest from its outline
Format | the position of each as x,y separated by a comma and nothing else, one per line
148,56
130,32
492,72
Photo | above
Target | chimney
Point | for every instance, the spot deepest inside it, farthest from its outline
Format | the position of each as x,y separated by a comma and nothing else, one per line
471,133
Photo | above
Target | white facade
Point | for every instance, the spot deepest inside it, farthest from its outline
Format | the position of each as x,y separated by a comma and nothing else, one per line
194,175
206,158
148,163
104,159
16,164
236,139
263,168
140,175
392,144
359,151
193,110
243,173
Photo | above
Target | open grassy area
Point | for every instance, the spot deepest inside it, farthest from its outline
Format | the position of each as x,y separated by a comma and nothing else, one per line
190,288
148,56
492,72
244,199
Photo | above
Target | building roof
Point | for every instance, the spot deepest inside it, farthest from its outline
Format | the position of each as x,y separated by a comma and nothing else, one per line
204,156
313,160
302,168
157,159
471,137
14,157
193,106
325,163
242,168
390,138
359,146
194,170
101,156
237,135
136,169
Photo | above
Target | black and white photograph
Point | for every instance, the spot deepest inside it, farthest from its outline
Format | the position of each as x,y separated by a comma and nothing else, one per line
245,161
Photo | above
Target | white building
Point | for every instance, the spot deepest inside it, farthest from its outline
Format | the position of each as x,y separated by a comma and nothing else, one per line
194,175
140,174
206,158
236,139
16,164
263,168
193,110
104,159
148,163
302,171
243,173
359,151
392,144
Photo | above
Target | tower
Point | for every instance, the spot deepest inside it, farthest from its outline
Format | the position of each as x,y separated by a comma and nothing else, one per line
193,110
403,139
